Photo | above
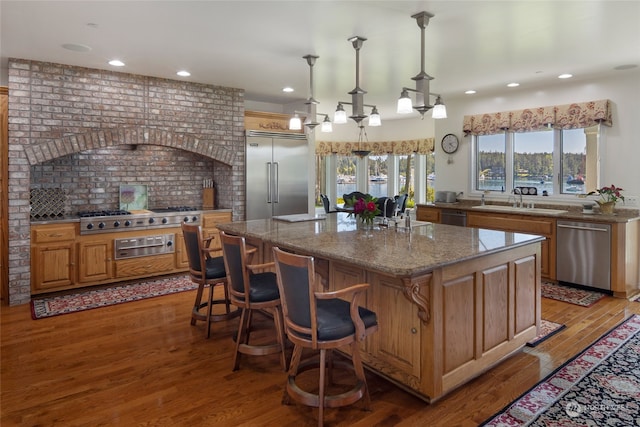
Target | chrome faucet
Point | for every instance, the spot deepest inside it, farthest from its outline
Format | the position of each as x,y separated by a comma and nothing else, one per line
385,220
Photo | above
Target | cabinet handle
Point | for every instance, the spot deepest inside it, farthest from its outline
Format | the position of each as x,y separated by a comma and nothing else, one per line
414,331
55,235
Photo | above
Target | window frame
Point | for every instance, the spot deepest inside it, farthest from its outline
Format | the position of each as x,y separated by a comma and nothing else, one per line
557,163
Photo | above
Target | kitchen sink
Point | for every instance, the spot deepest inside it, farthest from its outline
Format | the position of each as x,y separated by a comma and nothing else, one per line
511,209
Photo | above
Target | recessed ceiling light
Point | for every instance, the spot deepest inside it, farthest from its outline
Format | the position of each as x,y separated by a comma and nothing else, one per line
470,92
625,67
116,63
76,47
183,73
565,76
514,84
287,89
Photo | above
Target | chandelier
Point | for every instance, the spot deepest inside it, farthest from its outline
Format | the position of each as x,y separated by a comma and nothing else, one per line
405,105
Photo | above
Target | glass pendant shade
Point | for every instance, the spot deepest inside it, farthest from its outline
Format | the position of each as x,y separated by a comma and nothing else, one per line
326,125
374,118
439,110
340,116
404,103
295,123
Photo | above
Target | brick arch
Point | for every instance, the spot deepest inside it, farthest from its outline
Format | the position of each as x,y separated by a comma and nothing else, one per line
49,150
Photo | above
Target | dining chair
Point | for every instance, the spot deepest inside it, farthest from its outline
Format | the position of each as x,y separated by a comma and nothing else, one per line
252,288
206,271
326,204
321,321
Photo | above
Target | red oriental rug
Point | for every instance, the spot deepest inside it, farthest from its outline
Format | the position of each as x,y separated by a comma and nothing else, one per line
600,386
547,330
571,295
47,306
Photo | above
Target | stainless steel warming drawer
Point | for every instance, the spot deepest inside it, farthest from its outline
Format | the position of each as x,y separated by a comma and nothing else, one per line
143,246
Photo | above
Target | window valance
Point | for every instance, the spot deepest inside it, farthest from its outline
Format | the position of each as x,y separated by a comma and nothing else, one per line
569,116
411,146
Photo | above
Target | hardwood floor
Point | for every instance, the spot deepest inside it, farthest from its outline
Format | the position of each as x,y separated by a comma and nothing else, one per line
141,363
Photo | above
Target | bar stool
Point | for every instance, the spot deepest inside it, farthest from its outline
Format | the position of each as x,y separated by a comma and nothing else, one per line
321,321
251,288
205,270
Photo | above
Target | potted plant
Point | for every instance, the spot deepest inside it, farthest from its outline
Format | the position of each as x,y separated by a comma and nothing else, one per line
608,198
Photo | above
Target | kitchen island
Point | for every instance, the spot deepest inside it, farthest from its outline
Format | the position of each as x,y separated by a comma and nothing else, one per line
451,301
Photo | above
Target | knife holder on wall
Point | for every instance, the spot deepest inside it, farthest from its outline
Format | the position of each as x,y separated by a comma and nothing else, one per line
208,198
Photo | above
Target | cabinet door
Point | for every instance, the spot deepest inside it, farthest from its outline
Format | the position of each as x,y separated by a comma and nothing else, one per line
52,266
428,214
397,341
182,259
96,261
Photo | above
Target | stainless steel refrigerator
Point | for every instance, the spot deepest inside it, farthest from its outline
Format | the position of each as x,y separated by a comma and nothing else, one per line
277,176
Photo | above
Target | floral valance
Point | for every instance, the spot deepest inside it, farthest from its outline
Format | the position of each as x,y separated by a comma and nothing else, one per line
569,116
411,146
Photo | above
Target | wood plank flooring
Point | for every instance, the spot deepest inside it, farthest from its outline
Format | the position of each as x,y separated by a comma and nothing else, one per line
143,364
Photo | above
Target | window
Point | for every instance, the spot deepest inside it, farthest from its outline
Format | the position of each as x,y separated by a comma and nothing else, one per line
431,176
378,173
491,167
406,175
555,161
346,175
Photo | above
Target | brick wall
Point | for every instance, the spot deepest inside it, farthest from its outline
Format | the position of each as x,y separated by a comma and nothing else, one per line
89,131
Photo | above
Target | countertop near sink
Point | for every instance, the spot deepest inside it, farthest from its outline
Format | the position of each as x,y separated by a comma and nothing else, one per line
550,210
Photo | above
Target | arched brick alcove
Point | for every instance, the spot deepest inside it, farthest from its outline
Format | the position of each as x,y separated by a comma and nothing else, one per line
104,138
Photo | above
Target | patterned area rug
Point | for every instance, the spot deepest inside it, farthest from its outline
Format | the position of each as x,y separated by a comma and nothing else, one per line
547,330
575,296
70,303
600,386
635,298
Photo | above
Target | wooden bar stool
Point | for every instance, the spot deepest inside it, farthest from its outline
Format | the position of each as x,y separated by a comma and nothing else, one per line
251,288
321,321
205,270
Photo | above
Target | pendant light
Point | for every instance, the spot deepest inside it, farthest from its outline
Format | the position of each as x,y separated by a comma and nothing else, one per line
422,79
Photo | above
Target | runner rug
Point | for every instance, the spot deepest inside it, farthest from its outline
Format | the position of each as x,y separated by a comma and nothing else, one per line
547,330
48,306
571,295
600,386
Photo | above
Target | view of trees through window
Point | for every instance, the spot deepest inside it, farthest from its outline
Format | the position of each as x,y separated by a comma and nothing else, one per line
531,163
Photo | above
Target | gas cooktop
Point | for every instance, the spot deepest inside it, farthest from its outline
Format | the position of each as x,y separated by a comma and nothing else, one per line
122,220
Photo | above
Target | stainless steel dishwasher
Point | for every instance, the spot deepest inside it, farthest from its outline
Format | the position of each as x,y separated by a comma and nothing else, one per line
453,217
584,254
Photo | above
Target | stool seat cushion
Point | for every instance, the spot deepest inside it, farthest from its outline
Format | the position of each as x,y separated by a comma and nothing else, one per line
264,287
334,320
215,268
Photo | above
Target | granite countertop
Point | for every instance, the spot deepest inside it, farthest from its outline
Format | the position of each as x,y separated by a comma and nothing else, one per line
573,212
399,252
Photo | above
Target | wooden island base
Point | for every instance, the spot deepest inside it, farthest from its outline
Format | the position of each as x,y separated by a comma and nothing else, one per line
443,326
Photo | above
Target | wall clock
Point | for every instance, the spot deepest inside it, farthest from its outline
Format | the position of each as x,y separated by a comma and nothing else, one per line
450,143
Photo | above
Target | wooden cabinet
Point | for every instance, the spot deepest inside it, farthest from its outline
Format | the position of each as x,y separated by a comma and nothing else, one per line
52,257
95,260
428,214
541,226
210,222
144,266
182,259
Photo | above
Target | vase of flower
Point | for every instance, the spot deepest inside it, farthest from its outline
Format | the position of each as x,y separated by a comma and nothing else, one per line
364,209
606,208
608,198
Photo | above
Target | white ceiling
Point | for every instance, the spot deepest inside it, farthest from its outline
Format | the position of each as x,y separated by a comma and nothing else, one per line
258,45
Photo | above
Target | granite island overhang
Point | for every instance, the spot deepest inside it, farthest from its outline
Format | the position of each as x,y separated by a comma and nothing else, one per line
451,301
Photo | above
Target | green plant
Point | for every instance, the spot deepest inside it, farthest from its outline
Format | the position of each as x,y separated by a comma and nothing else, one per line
608,194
